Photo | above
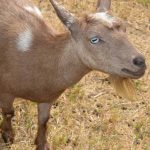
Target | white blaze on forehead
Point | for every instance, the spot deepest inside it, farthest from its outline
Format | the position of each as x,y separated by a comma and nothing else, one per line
105,17
24,40
34,10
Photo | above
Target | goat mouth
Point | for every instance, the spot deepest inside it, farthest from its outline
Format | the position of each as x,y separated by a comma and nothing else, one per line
136,74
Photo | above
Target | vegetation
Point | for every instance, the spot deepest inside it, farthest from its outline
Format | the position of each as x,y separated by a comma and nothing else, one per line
144,2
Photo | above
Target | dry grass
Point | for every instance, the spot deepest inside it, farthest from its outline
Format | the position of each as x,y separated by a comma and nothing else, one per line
89,116
124,87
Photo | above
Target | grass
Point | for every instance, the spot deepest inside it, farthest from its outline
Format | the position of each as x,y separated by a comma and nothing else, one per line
144,2
89,115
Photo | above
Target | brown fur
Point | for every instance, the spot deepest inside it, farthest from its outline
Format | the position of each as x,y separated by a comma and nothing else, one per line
54,61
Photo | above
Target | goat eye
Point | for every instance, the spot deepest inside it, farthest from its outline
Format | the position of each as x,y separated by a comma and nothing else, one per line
95,40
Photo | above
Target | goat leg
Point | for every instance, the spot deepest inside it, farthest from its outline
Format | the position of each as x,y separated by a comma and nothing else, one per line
43,117
8,114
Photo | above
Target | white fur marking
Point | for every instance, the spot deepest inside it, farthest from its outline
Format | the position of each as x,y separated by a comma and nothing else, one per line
105,17
34,10
24,40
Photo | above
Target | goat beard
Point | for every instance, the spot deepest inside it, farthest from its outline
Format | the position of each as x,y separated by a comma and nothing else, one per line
124,87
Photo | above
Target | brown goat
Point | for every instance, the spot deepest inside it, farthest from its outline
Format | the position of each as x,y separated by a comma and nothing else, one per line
38,64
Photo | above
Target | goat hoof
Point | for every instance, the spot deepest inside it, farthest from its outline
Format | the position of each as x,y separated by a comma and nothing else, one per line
8,136
45,147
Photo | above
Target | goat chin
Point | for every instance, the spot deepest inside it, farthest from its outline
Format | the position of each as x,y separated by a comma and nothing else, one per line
124,87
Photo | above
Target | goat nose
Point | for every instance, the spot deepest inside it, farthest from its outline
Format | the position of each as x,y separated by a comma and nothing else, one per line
139,61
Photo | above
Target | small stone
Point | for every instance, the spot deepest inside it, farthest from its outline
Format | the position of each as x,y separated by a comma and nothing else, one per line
124,108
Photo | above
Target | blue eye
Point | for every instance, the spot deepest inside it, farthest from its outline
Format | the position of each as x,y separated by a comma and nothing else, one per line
94,40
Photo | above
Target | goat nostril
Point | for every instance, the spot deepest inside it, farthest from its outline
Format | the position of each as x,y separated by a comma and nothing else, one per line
139,61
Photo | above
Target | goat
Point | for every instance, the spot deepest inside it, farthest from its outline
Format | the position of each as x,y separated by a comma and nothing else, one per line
38,64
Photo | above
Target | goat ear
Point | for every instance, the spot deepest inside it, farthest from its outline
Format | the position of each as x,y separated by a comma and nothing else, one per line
64,15
103,5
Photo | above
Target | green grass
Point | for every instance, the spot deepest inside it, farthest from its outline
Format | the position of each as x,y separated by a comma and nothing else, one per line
144,2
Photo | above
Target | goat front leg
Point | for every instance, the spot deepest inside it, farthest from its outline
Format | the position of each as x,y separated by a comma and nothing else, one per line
6,102
43,117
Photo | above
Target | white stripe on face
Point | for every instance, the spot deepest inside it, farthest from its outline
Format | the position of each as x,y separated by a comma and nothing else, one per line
105,17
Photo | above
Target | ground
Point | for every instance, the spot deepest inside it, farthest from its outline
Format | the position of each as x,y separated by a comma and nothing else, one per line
90,116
